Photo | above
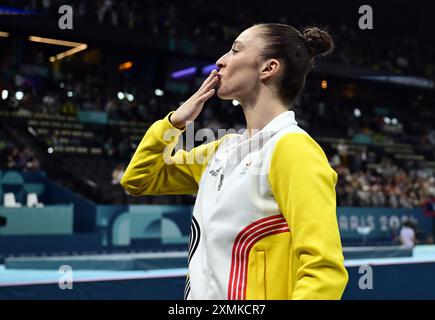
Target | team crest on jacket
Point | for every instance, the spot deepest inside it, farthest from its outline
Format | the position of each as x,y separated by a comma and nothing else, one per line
245,168
214,173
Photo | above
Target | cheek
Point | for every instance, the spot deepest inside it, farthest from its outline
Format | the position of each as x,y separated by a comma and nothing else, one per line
235,87
243,79
239,77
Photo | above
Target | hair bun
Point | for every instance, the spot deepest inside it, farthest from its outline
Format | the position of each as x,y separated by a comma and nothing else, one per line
318,41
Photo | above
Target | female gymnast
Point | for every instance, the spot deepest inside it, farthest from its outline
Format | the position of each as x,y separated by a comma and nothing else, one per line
264,225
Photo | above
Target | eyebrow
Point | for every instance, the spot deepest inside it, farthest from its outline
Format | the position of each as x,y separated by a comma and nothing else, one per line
238,42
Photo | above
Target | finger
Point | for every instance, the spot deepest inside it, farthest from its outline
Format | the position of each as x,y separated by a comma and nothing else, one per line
206,95
210,85
209,78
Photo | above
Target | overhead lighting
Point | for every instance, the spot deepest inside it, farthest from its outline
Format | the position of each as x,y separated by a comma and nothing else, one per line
130,97
209,68
70,52
120,95
69,94
159,92
125,66
55,41
324,84
387,120
357,112
76,46
5,94
4,34
32,131
50,150
183,73
19,95
6,10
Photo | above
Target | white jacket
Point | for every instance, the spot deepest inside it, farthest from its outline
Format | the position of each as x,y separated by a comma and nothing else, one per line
264,224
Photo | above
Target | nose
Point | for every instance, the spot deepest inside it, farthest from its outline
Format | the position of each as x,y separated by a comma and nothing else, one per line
220,63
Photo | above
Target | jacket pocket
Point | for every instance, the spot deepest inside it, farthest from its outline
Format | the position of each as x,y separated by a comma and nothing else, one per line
261,275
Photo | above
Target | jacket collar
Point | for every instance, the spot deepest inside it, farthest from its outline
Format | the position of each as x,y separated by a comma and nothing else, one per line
281,121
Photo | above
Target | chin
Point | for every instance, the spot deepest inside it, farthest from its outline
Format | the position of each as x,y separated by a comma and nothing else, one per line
222,95
224,98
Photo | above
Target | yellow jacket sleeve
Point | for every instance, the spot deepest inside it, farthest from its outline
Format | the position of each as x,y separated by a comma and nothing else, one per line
154,171
303,184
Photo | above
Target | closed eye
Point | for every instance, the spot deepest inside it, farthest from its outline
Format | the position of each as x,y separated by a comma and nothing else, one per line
234,50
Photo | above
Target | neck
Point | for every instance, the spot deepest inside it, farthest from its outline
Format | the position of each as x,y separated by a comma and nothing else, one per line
260,111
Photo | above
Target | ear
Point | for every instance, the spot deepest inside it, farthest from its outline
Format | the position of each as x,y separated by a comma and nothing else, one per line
270,69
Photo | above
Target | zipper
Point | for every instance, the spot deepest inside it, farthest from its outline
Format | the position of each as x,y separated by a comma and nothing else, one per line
221,180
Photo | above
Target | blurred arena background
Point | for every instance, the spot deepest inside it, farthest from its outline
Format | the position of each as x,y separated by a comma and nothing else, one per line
70,121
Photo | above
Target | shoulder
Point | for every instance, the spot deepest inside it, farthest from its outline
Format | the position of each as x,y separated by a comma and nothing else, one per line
297,144
299,154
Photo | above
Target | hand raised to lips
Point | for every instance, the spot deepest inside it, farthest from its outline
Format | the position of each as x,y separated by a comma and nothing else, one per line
190,109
